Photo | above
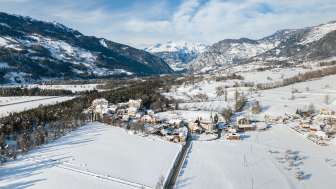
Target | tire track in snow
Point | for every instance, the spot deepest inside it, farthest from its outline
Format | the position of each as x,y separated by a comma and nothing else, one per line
22,102
71,167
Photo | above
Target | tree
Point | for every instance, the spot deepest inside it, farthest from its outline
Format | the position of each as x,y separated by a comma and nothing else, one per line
225,95
216,119
160,183
327,99
177,106
240,101
256,108
24,142
311,108
227,114
219,91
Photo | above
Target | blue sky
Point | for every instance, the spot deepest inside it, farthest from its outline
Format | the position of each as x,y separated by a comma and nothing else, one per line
144,22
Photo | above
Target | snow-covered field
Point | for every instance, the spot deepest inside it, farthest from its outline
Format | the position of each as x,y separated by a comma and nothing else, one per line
273,75
259,162
94,156
279,101
188,115
18,104
19,99
187,92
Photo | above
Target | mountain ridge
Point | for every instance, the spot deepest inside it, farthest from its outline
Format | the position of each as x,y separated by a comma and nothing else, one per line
34,50
288,45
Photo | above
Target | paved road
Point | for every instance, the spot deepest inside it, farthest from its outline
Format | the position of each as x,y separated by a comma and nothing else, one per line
174,173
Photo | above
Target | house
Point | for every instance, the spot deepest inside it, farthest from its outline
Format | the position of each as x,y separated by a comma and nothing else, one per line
304,125
242,120
147,119
244,124
99,107
175,122
181,134
138,115
133,107
110,109
314,128
150,112
125,117
233,136
232,130
324,111
250,127
121,112
135,103
195,128
154,129
132,111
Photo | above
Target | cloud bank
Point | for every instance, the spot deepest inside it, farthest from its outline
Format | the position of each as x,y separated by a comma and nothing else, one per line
144,22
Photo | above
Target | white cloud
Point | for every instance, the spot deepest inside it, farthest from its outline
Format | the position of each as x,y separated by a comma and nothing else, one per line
194,20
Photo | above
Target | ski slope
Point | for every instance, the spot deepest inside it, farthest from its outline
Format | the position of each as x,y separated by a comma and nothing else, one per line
94,156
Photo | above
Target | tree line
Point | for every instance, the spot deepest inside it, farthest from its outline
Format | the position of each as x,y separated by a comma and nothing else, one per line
18,91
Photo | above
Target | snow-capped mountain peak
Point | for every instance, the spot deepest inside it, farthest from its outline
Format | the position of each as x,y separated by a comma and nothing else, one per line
177,53
175,46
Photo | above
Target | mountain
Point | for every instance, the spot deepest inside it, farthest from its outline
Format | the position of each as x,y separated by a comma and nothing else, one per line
33,50
177,54
285,46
